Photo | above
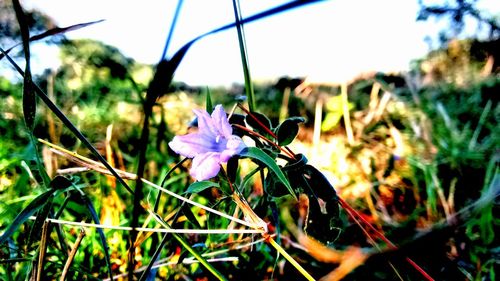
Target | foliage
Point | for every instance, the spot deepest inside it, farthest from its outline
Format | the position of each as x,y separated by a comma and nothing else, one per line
416,156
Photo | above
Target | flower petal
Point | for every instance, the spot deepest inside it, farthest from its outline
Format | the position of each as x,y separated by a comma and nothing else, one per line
205,123
205,166
234,146
192,144
220,122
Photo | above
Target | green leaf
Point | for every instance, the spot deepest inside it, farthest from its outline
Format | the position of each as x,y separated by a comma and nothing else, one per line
258,121
24,215
208,102
199,186
257,154
186,210
288,130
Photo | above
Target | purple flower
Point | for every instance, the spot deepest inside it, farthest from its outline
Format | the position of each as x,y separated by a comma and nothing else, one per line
213,144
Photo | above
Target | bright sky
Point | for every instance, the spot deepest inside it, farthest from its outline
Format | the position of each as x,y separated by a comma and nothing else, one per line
330,41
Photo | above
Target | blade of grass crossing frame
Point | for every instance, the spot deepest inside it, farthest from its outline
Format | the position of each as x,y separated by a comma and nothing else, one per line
69,124
244,55
52,32
168,67
188,247
24,215
29,98
172,28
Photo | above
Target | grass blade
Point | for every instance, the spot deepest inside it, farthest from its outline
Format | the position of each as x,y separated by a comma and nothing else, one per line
188,247
172,28
244,56
69,124
52,32
29,98
169,66
24,215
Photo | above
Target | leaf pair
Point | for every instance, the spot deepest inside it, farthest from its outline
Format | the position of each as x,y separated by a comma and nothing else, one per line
285,132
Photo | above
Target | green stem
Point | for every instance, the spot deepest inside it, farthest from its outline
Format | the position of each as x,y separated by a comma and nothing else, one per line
244,56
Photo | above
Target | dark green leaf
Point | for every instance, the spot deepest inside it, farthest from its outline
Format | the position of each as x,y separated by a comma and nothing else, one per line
257,154
258,121
199,186
240,120
186,210
60,182
208,102
288,130
275,188
32,207
41,216
232,168
29,102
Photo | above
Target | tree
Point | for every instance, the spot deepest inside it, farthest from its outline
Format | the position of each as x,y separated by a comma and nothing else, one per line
457,12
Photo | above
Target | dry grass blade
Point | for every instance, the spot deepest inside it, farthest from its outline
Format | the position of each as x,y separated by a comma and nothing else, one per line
42,249
72,254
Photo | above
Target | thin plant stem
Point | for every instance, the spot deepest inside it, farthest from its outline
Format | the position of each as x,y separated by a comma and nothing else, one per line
287,152
383,238
198,204
157,202
290,259
171,263
72,254
190,249
42,249
146,229
258,121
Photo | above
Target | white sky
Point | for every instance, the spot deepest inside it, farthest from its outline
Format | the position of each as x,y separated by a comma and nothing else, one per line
330,41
